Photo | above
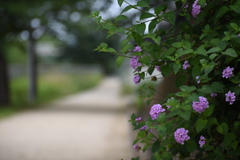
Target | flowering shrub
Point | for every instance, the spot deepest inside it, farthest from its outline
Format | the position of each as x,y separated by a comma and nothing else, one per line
201,49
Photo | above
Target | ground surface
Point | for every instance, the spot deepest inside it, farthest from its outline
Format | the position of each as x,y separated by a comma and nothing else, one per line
91,125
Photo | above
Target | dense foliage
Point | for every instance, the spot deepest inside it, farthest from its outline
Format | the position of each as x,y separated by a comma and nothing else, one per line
200,48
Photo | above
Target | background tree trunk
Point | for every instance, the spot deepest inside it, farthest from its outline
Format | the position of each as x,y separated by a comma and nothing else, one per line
32,70
4,81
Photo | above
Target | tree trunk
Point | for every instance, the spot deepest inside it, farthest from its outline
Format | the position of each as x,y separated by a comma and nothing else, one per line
4,81
32,70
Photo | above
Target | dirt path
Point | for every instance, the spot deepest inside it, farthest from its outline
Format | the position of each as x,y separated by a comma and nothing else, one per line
91,125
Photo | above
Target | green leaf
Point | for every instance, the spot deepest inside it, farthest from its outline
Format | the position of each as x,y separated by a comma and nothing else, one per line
205,89
214,50
119,61
191,146
173,113
177,44
187,89
165,70
169,52
161,129
159,9
234,145
201,50
138,38
170,17
156,146
112,50
180,80
216,87
186,114
202,3
228,139
150,70
235,8
152,25
208,111
234,26
166,156
142,4
161,118
140,28
222,11
236,124
120,17
127,47
176,67
137,158
196,70
230,52
222,128
145,60
145,15
212,56
127,8
200,124
120,2
124,43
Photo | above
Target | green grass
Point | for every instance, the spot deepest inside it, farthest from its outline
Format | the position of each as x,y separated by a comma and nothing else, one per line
50,87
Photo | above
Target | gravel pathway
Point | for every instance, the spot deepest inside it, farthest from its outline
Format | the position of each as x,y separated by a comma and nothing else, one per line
91,125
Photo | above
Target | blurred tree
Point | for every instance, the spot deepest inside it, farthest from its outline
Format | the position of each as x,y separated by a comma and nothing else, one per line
29,20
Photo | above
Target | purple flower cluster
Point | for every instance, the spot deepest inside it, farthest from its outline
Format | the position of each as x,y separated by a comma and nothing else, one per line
136,79
230,97
180,135
156,110
196,9
201,105
185,65
202,141
136,147
227,72
134,62
137,49
213,94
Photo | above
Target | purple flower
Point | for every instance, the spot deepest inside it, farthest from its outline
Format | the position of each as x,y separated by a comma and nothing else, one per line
134,62
158,67
136,79
136,147
201,105
168,101
145,128
139,119
196,9
185,65
230,97
238,35
137,49
213,94
156,110
180,135
202,141
186,6
198,80
227,72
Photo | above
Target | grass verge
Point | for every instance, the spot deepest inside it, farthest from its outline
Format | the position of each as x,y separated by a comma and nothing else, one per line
50,87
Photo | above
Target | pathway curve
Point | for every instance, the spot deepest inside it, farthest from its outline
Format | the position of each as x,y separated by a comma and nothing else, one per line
91,125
